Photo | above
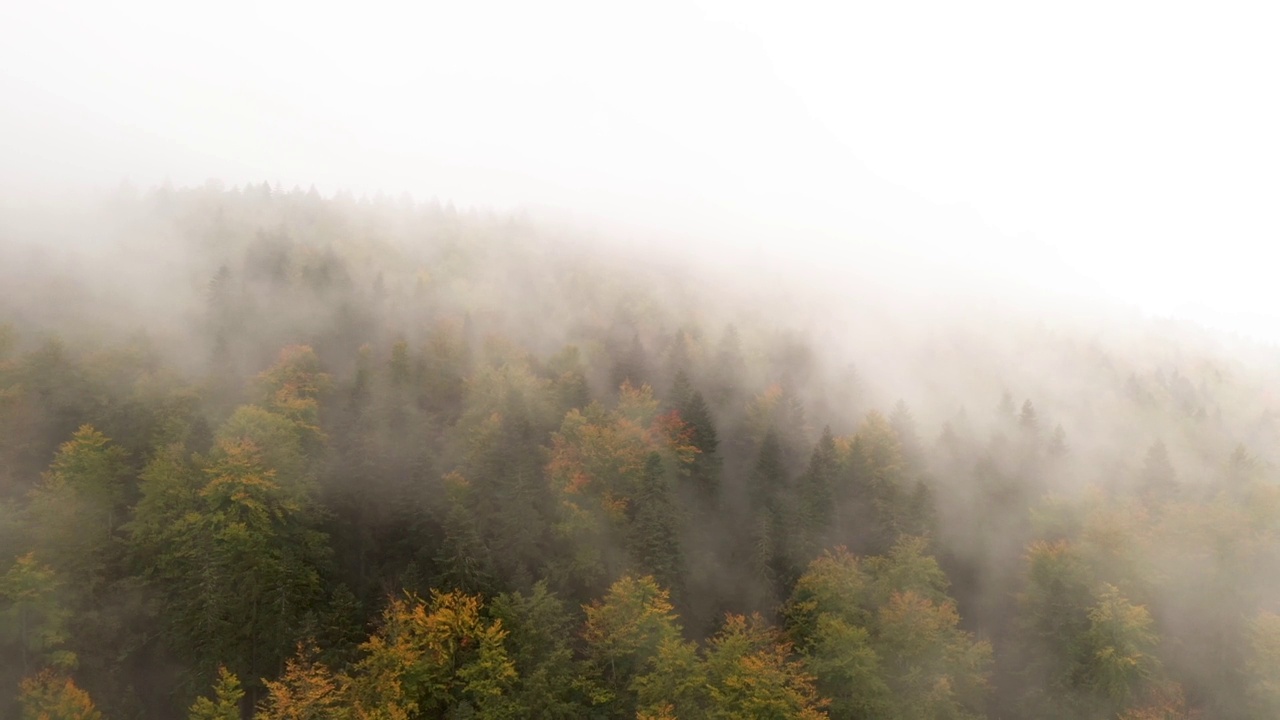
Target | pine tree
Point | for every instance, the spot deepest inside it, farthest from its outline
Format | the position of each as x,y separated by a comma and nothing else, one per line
1058,442
241,568
771,518
1027,419
704,471
463,559
655,540
1158,480
815,495
569,380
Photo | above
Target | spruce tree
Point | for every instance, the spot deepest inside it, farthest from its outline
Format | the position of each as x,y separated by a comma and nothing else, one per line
704,472
814,495
770,517
655,538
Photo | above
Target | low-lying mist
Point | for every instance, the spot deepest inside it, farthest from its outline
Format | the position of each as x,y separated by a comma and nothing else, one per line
238,424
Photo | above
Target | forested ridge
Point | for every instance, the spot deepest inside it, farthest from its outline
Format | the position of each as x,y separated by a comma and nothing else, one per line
266,454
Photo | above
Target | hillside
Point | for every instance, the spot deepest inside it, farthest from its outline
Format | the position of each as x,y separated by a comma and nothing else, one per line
309,457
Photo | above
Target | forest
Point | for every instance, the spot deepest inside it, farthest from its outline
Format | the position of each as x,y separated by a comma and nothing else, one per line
266,454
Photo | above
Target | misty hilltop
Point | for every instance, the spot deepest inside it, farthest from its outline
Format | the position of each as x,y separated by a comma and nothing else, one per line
271,454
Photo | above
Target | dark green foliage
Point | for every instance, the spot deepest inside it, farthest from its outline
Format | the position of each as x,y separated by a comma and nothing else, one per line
551,677
704,473
771,518
815,497
655,539
238,569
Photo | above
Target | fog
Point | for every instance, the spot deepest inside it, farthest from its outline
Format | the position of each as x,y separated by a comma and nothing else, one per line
1109,148
515,301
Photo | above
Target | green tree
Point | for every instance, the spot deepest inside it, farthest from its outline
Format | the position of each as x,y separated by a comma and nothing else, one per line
675,684
241,569
168,489
1053,615
278,441
892,502
705,469
225,704
508,412
569,379
1117,651
834,585
847,670
550,681
815,496
596,469
655,540
463,559
907,566
933,669
293,387
34,617
79,505
883,637
770,517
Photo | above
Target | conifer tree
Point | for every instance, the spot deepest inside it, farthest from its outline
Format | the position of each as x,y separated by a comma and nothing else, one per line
655,539
705,469
550,681
771,518
1158,480
225,704
815,495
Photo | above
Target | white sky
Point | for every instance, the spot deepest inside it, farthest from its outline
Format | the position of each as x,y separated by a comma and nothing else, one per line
1129,147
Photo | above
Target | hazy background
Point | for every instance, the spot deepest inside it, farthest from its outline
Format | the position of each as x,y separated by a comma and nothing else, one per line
1117,150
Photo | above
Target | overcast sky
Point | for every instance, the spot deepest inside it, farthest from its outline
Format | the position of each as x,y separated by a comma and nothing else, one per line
1126,149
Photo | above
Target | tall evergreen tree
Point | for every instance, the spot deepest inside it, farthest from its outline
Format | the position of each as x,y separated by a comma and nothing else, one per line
771,518
655,537
704,471
814,495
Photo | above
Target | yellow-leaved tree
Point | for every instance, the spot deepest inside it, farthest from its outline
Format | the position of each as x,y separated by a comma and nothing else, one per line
49,695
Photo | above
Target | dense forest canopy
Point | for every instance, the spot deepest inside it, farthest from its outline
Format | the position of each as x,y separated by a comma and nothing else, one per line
268,454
